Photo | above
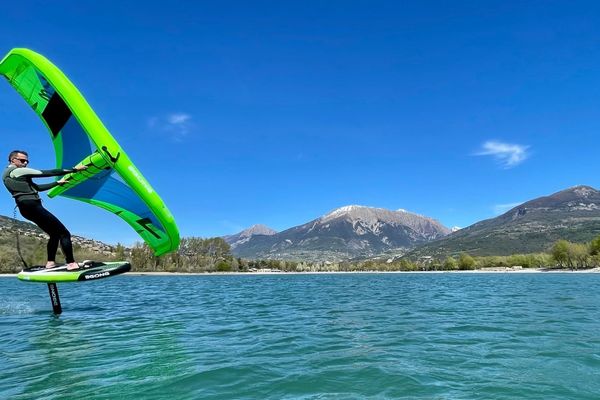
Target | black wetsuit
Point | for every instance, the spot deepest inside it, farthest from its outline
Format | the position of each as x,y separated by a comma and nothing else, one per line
19,183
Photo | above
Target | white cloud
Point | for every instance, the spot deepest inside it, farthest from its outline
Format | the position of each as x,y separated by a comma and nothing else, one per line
179,119
502,208
178,125
507,154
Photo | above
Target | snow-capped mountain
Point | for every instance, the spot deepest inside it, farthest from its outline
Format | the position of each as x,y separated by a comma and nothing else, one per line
344,233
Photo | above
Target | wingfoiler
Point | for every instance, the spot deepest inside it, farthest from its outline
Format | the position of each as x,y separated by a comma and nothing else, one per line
111,180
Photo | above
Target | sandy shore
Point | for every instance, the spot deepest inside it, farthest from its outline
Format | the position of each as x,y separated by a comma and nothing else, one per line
476,271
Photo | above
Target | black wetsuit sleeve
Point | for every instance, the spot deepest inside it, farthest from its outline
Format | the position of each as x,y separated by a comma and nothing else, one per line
39,173
54,172
44,186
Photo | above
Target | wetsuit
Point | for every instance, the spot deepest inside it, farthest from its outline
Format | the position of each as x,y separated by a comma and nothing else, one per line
19,183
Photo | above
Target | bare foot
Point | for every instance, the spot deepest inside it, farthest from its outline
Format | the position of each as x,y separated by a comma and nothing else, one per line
72,266
50,264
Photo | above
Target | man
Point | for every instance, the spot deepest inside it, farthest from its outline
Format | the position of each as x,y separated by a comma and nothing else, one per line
17,178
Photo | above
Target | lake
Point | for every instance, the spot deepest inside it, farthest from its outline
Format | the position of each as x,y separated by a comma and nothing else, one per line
304,336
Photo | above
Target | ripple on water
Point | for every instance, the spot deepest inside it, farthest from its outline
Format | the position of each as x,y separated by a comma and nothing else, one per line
442,336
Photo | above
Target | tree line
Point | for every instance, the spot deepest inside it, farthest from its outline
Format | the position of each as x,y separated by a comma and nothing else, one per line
214,255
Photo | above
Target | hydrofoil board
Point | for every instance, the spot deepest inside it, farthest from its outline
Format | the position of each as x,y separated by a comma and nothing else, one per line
88,270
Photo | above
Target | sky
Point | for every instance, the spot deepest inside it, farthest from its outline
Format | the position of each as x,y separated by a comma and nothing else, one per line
278,112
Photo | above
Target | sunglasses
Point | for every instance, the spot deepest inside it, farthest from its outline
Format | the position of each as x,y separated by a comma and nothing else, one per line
23,160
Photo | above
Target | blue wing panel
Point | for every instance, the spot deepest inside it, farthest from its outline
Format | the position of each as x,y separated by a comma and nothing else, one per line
108,188
75,143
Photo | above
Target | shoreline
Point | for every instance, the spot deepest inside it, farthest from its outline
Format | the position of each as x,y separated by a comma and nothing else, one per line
475,271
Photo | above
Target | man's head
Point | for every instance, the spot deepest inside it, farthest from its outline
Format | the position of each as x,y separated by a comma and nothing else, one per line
19,158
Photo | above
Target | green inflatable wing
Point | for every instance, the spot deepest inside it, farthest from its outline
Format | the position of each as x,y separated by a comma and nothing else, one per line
111,181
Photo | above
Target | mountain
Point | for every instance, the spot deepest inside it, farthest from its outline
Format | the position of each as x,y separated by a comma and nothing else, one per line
345,233
572,214
246,234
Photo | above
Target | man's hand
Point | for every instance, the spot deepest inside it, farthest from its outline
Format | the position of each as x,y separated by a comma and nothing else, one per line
62,181
80,167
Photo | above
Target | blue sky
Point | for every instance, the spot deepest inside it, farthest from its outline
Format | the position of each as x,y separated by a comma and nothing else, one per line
278,112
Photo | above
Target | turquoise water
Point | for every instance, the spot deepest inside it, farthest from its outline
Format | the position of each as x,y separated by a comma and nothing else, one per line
328,336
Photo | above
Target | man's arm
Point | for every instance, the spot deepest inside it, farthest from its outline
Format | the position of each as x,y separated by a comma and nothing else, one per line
37,173
44,186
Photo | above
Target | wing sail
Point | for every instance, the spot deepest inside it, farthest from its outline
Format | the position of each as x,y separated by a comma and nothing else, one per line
79,137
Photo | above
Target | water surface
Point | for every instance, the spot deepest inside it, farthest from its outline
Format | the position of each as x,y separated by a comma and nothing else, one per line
323,336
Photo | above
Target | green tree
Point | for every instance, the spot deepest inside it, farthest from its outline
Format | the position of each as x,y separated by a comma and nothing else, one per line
143,259
595,260
466,262
560,252
120,252
578,255
595,246
223,266
450,264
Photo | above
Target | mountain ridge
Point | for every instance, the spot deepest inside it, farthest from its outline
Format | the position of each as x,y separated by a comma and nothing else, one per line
345,233
245,235
572,214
